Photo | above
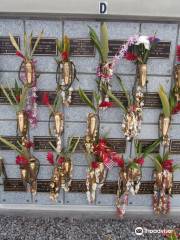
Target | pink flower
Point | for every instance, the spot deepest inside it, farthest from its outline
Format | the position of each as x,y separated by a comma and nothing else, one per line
61,160
21,160
50,158
140,161
94,164
29,144
106,104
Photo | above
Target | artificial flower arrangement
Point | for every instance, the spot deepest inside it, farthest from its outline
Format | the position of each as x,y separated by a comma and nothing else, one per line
100,154
105,68
176,89
138,49
28,164
130,175
62,171
27,73
66,71
132,118
169,106
163,182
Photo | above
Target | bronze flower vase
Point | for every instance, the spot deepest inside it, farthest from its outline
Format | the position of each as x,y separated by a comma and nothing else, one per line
33,172
22,123
29,73
142,68
58,128
91,134
55,184
164,124
67,174
68,72
177,83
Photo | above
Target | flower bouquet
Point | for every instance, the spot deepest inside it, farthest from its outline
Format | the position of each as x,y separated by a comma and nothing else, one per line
130,175
99,154
163,182
28,164
105,68
138,49
176,88
27,73
17,99
62,171
132,118
170,106
58,118
66,71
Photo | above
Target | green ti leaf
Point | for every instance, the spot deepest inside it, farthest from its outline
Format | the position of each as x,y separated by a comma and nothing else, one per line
151,148
36,43
104,42
14,43
165,102
118,102
84,97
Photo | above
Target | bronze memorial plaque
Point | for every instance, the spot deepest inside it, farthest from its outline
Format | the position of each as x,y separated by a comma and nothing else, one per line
162,50
147,142
80,47
121,96
175,146
42,143
6,48
12,139
51,94
45,47
76,100
114,46
152,100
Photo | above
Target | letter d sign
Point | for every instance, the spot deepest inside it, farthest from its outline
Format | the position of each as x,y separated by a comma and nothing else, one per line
103,7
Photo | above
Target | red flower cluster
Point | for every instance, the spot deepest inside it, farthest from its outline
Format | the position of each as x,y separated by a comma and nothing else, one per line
140,161
29,144
18,98
21,160
94,164
61,160
178,53
130,56
65,56
50,158
168,165
45,99
106,104
176,108
19,54
106,154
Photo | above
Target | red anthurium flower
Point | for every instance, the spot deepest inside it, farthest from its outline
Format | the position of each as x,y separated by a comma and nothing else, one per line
119,160
130,56
61,160
168,164
19,54
178,52
176,108
29,144
21,160
94,164
45,99
106,104
65,56
18,98
50,158
140,161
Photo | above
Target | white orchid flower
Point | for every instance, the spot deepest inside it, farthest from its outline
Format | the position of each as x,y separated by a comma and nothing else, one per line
144,40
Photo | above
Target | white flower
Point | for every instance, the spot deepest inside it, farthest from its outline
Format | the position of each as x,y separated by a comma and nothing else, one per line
144,40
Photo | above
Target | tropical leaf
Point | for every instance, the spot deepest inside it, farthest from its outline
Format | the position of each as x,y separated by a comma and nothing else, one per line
123,88
6,95
158,166
23,98
118,102
25,44
172,101
36,43
133,165
151,148
165,156
96,97
96,41
59,45
176,167
164,101
66,44
84,97
73,144
14,43
104,41
10,145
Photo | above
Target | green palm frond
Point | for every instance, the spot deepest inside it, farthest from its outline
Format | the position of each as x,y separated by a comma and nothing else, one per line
165,102
36,43
10,145
118,102
13,41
